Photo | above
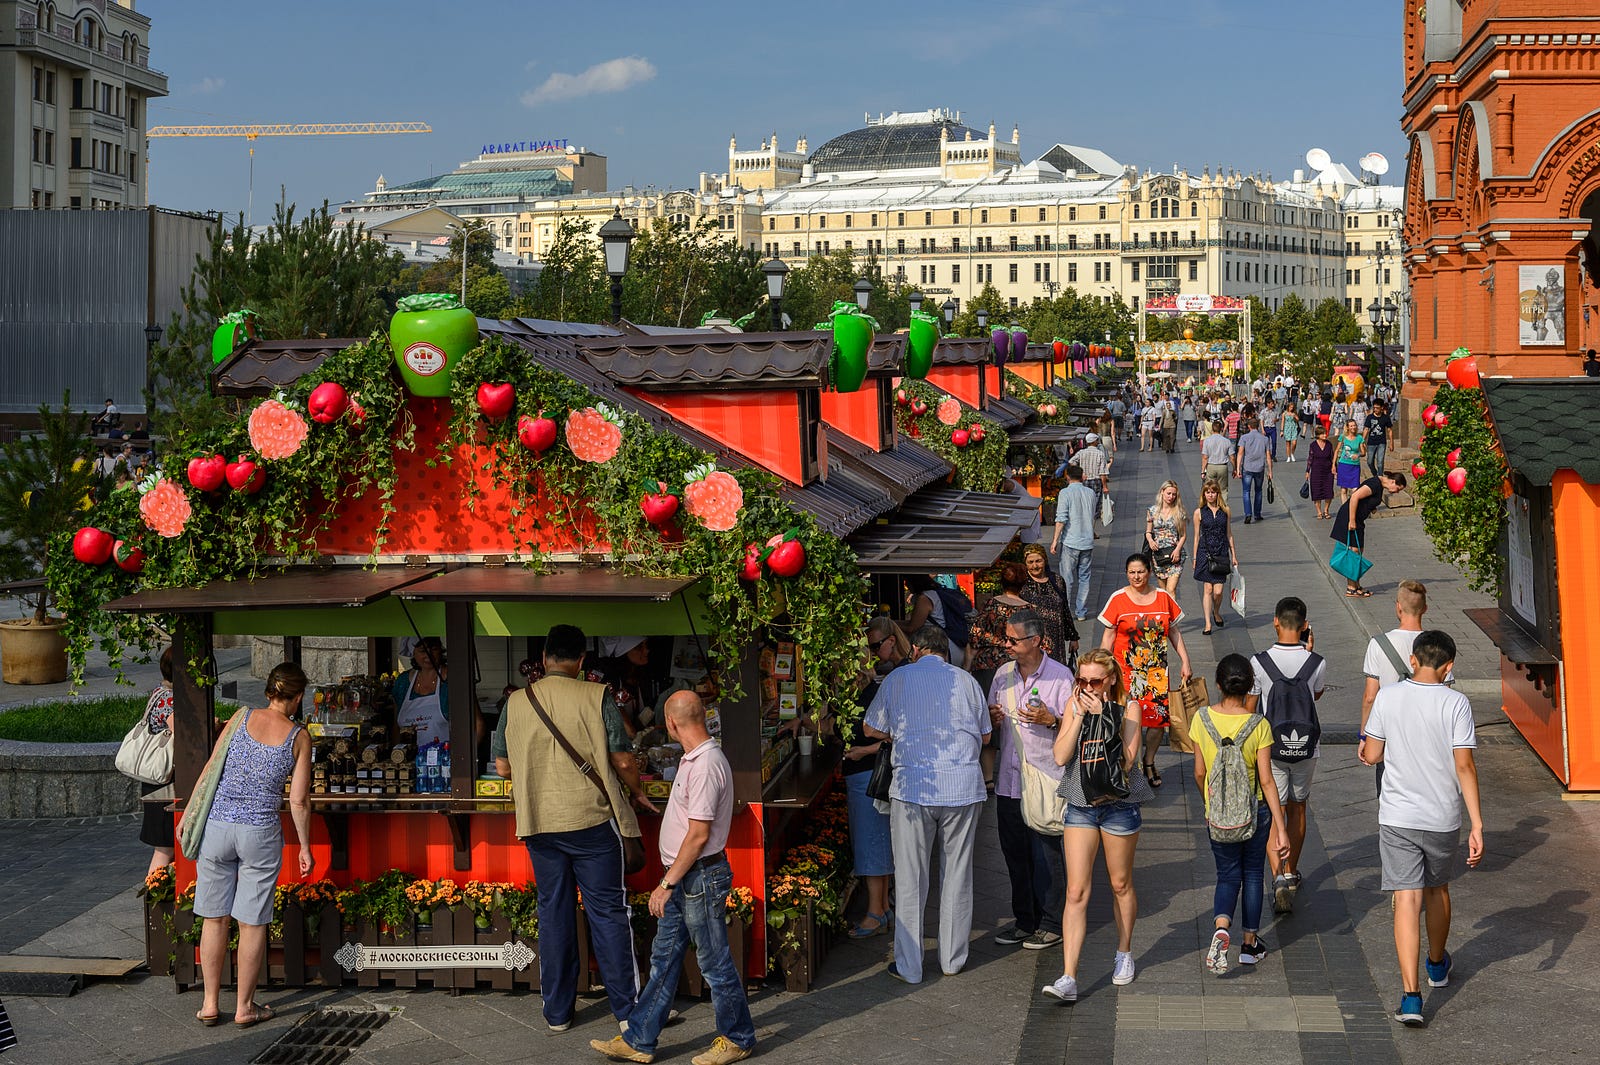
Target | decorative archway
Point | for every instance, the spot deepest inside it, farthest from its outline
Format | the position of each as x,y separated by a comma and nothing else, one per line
1228,356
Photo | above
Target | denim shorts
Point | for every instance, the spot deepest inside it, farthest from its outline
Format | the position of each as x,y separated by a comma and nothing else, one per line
1114,818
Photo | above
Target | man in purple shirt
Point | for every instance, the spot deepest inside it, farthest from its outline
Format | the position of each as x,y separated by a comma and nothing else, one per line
1025,702
691,900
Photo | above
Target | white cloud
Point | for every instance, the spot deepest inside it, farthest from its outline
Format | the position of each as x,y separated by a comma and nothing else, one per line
614,75
206,86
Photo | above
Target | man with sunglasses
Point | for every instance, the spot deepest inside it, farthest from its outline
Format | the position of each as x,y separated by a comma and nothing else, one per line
1025,701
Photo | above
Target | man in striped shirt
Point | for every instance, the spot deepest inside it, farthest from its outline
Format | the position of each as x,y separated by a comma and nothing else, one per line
1096,467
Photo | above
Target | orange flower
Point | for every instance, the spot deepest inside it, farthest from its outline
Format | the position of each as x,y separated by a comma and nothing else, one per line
276,432
949,411
592,436
166,508
715,499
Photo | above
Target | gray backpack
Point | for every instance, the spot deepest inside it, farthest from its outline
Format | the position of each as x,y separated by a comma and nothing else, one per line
1230,789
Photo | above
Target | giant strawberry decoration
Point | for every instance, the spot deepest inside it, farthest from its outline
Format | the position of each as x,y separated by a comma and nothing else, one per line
1461,369
208,472
245,476
327,402
128,557
593,433
496,399
536,434
659,506
92,546
785,554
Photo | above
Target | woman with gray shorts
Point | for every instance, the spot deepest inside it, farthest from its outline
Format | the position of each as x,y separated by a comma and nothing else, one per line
241,852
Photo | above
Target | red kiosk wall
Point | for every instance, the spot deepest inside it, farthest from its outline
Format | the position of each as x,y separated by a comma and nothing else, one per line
762,425
1577,521
960,381
855,414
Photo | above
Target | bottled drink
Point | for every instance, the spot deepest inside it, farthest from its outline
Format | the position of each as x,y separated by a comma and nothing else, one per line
433,767
420,784
1035,704
444,769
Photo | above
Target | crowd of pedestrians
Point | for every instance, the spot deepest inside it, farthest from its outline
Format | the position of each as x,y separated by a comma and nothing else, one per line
1076,735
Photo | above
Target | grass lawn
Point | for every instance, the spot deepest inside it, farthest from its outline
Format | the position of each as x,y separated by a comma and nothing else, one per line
103,719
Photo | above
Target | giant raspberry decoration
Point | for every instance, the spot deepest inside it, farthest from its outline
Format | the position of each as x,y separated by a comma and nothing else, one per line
276,432
165,508
714,497
593,434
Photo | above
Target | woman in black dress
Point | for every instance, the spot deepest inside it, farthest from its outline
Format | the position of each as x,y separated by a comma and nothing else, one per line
1213,540
1319,471
1350,524
1048,595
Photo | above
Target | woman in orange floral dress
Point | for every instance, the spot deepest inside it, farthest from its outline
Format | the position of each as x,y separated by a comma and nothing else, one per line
1140,623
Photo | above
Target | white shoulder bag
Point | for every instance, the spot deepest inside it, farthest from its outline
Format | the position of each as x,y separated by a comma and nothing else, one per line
1042,808
144,755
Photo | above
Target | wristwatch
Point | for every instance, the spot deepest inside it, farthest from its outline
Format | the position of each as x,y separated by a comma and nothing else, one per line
669,885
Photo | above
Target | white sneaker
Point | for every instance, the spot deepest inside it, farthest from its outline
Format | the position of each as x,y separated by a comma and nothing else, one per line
1122,970
1064,989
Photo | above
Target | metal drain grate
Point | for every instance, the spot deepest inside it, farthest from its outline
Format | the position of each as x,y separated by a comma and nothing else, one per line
323,1037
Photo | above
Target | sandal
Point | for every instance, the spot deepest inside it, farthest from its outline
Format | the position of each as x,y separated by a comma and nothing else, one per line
1152,775
1357,593
860,931
210,1020
258,1013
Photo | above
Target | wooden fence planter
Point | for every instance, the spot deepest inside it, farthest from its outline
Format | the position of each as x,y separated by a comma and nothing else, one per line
799,963
694,981
160,950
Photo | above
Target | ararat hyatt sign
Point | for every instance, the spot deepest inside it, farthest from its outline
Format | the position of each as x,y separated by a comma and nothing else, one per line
526,146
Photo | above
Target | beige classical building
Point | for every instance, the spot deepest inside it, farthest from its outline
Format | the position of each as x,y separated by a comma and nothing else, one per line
75,80
949,209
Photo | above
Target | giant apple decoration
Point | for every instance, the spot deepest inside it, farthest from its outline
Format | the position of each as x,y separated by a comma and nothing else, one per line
208,472
1456,479
496,399
1461,369
659,506
92,546
960,437
244,476
128,557
1428,412
786,555
536,434
327,402
428,333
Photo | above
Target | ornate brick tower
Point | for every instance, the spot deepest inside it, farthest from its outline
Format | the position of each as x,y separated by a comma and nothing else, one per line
1502,208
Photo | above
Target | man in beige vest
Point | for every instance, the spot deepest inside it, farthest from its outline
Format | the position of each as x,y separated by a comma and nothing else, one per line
573,834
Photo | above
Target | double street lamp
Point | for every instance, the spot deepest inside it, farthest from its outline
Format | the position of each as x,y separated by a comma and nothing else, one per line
774,270
615,237
1382,319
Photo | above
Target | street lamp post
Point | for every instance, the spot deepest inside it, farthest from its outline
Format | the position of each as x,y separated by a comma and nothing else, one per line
1382,319
915,300
983,319
615,237
463,230
863,289
949,309
152,337
774,270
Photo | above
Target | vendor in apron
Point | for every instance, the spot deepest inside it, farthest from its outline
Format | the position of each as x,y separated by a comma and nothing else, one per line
421,694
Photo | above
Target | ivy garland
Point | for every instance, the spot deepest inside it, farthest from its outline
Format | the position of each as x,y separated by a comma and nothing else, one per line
230,534
822,609
1465,528
979,466
1037,397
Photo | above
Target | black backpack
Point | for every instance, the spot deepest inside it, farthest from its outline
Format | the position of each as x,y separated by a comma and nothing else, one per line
1290,707
957,614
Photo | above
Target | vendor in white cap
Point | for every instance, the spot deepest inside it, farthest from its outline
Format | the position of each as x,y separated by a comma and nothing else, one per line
1096,467
622,668
421,694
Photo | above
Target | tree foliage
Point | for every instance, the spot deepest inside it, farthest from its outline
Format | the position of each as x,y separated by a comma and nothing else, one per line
488,292
302,277
46,481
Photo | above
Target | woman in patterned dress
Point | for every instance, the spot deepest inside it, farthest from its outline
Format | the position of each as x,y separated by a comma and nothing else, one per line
1141,623
1046,592
1165,528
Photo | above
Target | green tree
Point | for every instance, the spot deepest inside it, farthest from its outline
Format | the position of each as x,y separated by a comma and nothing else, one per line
488,293
1333,323
303,277
45,478
810,290
573,287
989,299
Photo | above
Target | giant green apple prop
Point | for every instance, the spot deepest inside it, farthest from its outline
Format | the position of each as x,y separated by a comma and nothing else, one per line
428,332
234,329
922,338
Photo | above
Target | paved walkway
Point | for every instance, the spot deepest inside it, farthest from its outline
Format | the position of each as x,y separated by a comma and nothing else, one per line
1524,920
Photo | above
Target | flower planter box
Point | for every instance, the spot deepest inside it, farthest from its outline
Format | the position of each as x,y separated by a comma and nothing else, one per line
694,981
160,950
799,962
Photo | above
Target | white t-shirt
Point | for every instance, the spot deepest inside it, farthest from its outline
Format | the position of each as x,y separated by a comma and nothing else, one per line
956,655
1288,660
1377,664
1421,726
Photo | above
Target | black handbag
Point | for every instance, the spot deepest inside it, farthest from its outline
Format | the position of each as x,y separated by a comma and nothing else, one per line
1272,494
1218,567
1305,489
882,774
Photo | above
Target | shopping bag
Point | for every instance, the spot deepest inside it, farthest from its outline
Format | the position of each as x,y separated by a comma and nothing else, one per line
1182,704
1349,563
1106,510
1236,591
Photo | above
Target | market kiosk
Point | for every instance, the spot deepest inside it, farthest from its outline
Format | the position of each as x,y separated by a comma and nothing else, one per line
1547,621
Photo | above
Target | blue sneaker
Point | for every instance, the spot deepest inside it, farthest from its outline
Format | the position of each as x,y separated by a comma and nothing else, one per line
1439,971
1410,1011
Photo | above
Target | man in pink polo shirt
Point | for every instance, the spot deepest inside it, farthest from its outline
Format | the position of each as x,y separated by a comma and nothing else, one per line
691,900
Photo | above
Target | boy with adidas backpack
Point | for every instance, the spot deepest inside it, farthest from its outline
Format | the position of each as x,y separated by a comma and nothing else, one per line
1233,768
1288,683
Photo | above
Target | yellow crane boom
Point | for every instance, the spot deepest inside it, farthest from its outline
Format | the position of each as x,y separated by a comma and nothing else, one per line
290,129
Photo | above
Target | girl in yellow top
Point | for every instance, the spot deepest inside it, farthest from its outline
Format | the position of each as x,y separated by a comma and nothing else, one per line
1240,865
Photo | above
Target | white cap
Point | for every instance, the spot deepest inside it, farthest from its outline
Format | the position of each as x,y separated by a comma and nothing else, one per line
1092,438
617,646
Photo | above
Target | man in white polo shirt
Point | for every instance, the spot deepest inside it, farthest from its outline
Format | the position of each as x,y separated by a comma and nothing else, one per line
1096,467
691,900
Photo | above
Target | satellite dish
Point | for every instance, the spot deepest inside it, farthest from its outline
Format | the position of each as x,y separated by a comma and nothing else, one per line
1375,164
1318,159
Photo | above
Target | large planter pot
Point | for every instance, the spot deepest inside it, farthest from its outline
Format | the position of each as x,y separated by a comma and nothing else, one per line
33,653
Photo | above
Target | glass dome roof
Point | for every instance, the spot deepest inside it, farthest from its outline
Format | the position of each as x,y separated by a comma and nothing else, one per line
888,146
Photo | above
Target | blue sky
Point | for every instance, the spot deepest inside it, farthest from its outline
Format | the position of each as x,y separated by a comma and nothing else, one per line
659,88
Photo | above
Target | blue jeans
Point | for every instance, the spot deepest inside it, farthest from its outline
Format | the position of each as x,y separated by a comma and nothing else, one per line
590,859
1242,866
1376,453
697,913
1271,433
1188,428
1251,485
1077,564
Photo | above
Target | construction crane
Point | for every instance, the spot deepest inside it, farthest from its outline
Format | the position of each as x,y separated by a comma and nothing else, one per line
287,129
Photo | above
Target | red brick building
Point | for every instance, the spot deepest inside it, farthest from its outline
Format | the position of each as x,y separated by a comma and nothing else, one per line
1502,209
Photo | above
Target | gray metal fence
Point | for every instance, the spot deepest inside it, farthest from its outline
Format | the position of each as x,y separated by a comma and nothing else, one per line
76,290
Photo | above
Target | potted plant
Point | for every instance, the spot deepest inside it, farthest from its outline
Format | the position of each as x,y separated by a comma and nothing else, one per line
47,479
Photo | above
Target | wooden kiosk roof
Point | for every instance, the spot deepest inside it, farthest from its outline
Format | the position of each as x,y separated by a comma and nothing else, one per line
327,586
